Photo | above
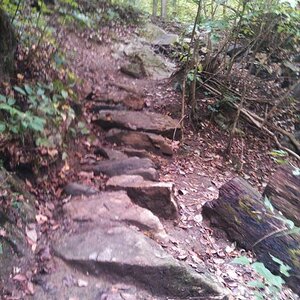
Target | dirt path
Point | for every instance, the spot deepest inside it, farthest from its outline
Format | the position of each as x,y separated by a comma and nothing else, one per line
113,247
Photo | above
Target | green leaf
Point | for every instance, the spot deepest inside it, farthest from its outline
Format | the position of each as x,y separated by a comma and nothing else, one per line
1,249
11,101
242,260
258,295
256,284
64,94
28,89
284,269
2,98
2,127
268,204
19,90
270,278
37,124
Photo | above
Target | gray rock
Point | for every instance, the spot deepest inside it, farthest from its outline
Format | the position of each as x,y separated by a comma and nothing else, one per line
109,153
157,36
131,257
148,174
156,196
139,121
136,152
153,65
77,189
133,165
141,140
115,207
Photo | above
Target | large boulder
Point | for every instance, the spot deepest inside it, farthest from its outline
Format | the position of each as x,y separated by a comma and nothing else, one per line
139,121
157,36
8,45
156,196
114,207
140,140
126,255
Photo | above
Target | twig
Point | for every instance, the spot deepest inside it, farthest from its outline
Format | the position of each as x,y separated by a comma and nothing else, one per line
175,130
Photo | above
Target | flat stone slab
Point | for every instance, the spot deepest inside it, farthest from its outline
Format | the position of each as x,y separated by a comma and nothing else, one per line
131,257
130,166
115,207
155,196
77,189
141,140
111,154
139,121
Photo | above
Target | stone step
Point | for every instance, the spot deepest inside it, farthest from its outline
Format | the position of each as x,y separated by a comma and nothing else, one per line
140,140
116,207
139,121
129,166
155,196
131,257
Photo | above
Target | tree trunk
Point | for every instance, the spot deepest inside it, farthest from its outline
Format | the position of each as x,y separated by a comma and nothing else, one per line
8,45
164,4
240,212
283,190
154,8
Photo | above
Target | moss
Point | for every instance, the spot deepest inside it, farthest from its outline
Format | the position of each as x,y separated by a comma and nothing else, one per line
295,257
245,203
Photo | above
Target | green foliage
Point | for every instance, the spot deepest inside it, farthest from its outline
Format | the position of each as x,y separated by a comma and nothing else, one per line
1,249
279,156
270,285
45,110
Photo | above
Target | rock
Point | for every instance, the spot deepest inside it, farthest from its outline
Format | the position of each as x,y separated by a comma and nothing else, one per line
110,153
136,152
284,193
8,45
15,249
115,207
156,196
133,165
296,92
78,189
129,256
148,174
153,65
134,68
157,36
241,213
235,49
139,121
141,140
62,283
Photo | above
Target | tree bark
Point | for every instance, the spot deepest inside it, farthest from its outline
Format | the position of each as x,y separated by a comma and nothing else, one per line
283,190
154,8
240,212
164,4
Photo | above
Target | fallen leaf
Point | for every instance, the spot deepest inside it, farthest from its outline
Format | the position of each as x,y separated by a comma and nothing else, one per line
20,277
82,283
41,219
31,233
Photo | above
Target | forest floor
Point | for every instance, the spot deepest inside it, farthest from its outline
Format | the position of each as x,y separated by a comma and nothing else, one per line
198,168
